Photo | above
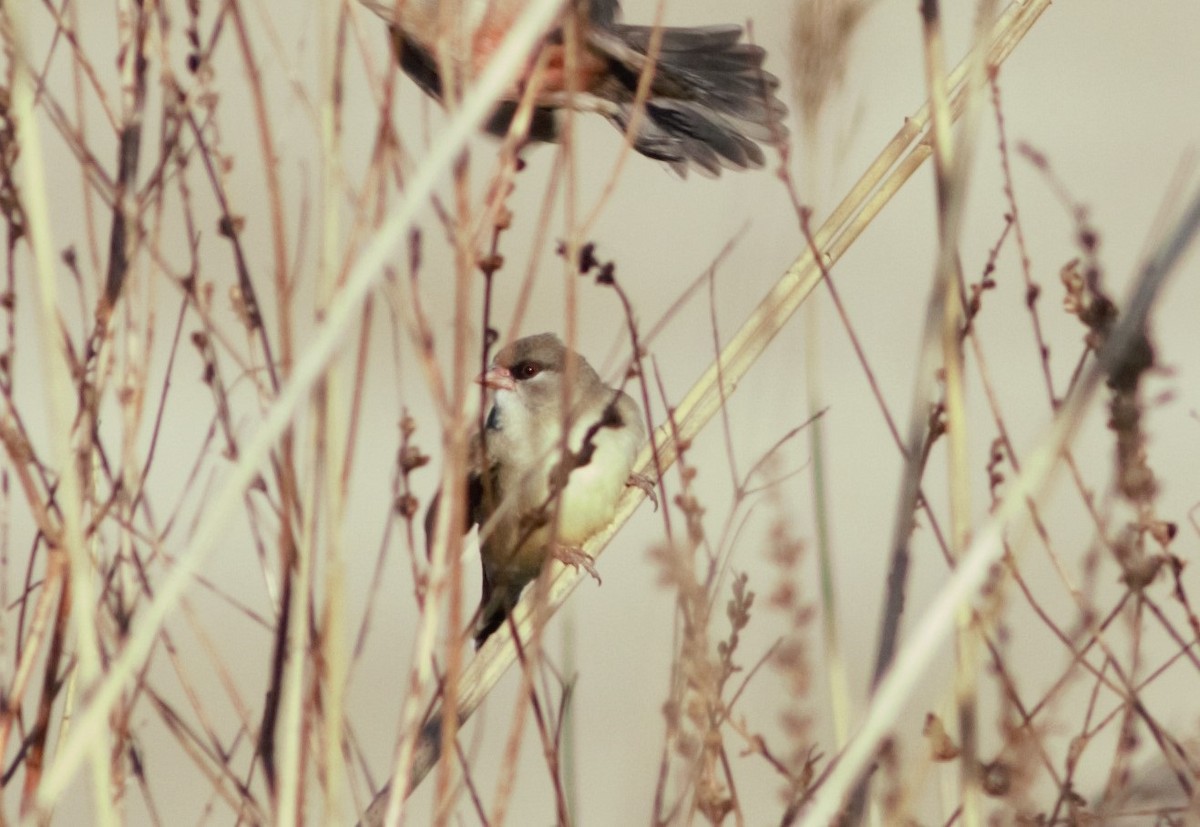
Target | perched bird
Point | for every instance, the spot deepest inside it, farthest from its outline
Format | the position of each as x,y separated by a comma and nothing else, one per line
709,104
517,468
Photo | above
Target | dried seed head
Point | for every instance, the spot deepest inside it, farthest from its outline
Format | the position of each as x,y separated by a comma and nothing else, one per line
820,51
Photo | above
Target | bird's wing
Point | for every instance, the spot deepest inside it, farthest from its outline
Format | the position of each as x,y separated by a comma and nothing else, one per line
710,102
476,494
420,64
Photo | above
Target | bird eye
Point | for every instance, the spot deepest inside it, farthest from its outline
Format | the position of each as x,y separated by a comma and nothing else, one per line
526,370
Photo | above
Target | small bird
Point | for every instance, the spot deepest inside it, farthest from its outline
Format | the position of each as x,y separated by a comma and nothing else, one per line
530,503
710,102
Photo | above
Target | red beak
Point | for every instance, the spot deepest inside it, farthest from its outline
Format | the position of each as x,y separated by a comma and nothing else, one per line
498,379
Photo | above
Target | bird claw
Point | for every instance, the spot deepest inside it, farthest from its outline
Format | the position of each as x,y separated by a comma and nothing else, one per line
646,485
575,558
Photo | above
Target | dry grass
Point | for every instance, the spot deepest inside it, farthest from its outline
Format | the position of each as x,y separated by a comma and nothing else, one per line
223,262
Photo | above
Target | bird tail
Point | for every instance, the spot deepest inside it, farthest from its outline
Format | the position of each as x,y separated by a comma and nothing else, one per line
710,103
499,599
493,614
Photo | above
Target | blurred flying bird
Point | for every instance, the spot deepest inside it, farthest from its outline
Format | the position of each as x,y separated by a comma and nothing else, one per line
709,106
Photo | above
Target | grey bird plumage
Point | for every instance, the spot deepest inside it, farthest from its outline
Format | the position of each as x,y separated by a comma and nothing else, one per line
529,502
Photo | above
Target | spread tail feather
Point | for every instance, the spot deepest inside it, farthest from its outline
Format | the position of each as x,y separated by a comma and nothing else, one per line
710,101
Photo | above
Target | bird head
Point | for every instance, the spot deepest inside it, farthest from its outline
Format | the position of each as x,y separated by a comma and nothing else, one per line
533,369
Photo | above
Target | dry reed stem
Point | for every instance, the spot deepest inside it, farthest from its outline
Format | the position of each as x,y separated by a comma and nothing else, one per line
821,35
60,403
952,166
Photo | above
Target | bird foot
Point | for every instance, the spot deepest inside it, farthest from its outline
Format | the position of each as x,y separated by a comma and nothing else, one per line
575,558
646,485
